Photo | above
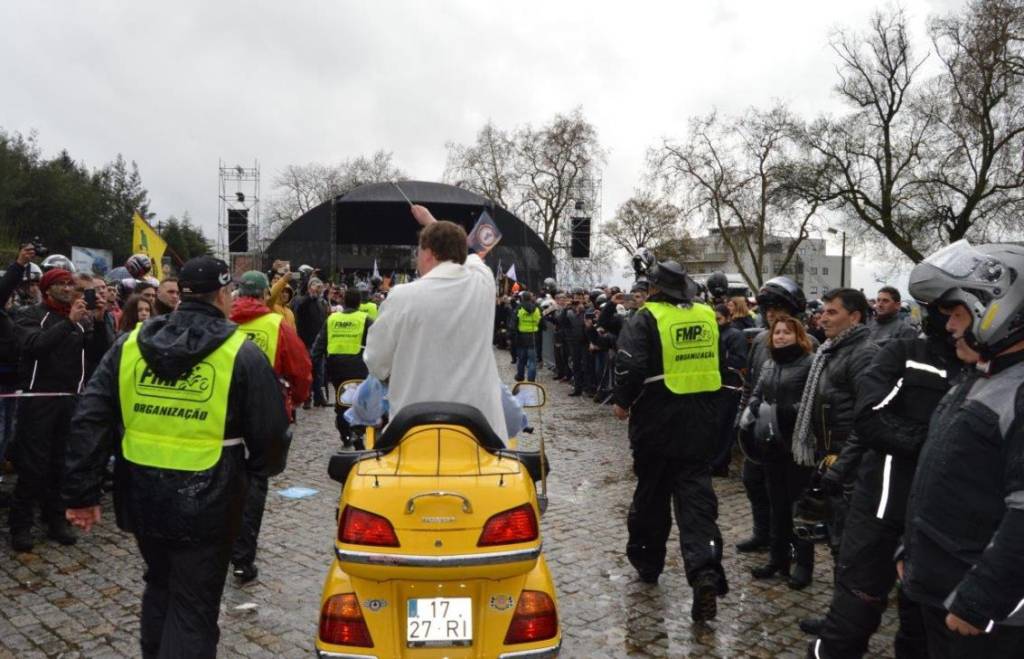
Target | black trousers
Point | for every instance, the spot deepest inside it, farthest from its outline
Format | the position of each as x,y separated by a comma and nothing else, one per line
1003,642
728,404
865,573
561,360
243,551
664,484
578,357
181,601
38,455
756,485
786,481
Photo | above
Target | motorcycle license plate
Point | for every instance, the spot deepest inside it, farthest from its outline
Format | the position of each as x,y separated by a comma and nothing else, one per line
439,621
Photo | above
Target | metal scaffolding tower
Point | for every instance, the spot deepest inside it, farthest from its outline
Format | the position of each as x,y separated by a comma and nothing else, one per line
239,237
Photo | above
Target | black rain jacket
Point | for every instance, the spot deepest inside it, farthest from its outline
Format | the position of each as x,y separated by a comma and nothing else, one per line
899,393
183,506
8,336
661,423
964,541
57,355
833,415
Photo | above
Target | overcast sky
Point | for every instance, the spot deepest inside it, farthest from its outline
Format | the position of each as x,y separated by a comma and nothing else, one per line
177,86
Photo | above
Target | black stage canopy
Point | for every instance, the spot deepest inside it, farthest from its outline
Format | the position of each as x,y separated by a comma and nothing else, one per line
373,222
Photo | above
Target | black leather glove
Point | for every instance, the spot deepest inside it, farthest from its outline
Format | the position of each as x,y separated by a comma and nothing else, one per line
831,483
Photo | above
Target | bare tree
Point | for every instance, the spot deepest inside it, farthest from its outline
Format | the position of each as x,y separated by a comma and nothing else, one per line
974,175
863,164
556,164
643,220
487,167
735,175
537,173
300,188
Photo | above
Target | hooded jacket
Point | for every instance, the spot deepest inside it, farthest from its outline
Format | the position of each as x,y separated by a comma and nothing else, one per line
292,361
965,519
185,506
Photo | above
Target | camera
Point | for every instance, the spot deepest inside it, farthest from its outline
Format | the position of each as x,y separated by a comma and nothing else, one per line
90,299
37,244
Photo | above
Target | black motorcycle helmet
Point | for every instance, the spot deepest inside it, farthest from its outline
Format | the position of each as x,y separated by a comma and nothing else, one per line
782,292
717,284
671,279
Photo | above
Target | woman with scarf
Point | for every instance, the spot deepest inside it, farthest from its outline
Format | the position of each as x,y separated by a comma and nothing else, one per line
772,414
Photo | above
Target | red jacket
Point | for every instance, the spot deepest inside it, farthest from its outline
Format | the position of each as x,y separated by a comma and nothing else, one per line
292,362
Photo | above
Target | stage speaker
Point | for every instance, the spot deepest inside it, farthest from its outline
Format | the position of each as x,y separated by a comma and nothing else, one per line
580,246
238,230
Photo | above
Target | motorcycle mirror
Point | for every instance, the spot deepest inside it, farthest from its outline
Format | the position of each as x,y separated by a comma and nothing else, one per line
345,393
529,394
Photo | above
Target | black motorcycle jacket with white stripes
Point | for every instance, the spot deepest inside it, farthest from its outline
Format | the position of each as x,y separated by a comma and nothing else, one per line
899,392
964,540
58,355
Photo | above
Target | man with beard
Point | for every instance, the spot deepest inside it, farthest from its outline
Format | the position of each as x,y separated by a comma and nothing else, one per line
58,342
887,323
167,296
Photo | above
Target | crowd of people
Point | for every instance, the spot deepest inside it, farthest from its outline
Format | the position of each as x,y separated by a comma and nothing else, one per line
892,432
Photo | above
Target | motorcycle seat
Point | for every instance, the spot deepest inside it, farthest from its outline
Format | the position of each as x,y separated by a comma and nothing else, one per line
452,414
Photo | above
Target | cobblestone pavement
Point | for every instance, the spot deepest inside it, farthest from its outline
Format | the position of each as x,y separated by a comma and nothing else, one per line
83,601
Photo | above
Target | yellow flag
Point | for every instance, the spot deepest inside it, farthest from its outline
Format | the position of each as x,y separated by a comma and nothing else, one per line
146,241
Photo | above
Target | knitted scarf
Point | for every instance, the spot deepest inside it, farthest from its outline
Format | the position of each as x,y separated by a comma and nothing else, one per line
804,441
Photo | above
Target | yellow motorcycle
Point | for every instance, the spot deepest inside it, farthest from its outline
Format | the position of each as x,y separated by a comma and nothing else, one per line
438,547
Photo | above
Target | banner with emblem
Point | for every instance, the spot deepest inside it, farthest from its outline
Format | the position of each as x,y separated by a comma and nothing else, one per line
484,236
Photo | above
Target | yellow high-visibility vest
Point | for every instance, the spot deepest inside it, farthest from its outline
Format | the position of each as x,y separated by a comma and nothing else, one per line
345,332
176,423
370,309
689,347
528,322
264,332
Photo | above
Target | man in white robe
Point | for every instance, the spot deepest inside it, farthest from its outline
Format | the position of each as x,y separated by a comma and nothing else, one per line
432,337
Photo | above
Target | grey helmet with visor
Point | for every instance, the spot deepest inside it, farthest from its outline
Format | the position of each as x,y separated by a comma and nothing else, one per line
988,280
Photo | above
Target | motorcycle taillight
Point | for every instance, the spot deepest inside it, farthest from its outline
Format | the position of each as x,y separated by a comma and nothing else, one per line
360,527
535,619
518,524
341,622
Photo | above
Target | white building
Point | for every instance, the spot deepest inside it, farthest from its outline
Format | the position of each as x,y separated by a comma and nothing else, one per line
814,270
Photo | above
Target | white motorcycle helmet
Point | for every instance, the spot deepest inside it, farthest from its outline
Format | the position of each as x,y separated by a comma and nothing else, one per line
988,280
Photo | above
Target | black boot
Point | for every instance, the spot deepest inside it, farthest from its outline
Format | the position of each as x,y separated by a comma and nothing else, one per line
60,530
770,570
246,572
812,626
21,540
803,572
756,542
705,597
